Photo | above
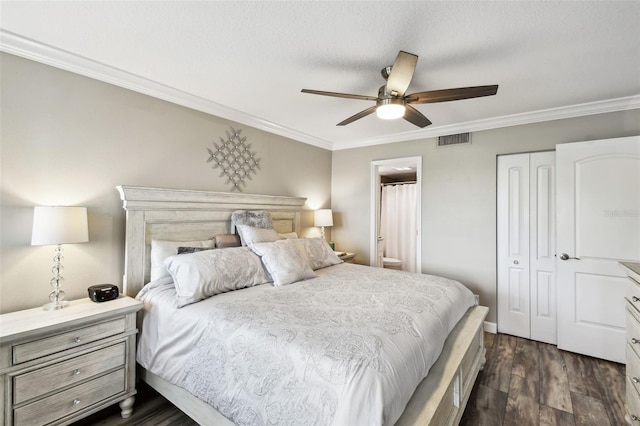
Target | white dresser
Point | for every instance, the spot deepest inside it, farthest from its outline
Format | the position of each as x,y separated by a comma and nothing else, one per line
633,343
59,366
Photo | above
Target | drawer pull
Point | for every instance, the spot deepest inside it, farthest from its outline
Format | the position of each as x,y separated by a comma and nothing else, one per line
635,341
76,401
76,372
635,299
77,340
635,380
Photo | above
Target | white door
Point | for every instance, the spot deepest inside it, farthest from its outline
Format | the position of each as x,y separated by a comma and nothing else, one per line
542,246
598,218
513,245
526,246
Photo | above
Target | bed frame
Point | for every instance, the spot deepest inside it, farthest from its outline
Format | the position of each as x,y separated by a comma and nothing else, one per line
180,215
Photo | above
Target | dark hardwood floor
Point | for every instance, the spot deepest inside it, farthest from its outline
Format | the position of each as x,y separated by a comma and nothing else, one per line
523,383
532,383
150,409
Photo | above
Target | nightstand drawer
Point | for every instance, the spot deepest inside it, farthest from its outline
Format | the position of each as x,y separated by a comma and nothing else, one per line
633,293
633,368
58,376
71,339
68,402
633,329
632,401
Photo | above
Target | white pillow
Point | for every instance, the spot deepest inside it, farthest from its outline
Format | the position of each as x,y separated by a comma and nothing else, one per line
283,261
161,249
287,235
317,252
200,275
250,234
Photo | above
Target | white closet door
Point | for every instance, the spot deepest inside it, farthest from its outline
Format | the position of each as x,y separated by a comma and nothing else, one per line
542,244
598,213
513,245
526,246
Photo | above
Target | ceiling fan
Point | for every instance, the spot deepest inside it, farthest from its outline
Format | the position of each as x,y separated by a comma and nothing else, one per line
392,102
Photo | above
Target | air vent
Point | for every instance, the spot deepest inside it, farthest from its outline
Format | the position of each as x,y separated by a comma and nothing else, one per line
460,138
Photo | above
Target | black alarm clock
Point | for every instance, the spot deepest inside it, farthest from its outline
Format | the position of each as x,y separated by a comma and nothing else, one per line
103,292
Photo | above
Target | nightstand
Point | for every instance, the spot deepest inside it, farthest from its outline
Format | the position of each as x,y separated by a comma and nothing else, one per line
59,366
347,257
632,397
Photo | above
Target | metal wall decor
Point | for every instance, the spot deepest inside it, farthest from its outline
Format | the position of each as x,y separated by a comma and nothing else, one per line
235,159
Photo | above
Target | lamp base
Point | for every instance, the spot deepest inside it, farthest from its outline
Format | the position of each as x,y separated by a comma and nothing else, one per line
52,306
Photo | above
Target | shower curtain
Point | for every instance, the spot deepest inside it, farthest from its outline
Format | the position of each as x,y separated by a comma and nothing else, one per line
398,223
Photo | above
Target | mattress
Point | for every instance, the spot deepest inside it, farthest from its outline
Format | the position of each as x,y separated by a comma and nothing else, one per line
346,348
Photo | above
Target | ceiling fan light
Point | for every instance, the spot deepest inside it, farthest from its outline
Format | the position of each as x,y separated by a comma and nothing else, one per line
390,111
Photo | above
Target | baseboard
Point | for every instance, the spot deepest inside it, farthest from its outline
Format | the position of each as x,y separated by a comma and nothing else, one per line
491,327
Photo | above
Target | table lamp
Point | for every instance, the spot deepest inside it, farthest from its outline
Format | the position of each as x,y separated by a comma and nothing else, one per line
322,218
57,226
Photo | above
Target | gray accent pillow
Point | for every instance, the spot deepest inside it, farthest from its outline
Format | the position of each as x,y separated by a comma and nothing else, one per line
227,240
187,250
255,218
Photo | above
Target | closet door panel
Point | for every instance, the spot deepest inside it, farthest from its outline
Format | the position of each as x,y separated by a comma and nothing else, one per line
545,301
513,245
542,229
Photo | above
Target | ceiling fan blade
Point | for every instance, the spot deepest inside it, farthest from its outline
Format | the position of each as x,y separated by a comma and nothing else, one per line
451,94
414,116
340,95
358,116
401,73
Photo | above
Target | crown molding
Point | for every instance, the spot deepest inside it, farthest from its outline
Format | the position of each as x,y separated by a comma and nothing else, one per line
30,49
580,110
49,55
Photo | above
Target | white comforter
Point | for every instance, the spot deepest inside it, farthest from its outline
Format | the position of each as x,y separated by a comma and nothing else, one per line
346,348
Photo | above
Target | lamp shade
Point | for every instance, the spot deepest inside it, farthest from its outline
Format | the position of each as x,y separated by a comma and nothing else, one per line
59,225
390,111
390,108
323,217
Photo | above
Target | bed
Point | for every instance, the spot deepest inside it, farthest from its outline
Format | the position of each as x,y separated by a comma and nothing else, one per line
184,215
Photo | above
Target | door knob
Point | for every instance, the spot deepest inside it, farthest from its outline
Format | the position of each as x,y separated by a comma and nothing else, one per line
565,256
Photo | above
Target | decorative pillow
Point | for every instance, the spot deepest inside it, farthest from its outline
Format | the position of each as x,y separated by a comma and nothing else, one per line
186,250
317,252
227,240
283,261
288,236
200,275
161,249
255,218
250,235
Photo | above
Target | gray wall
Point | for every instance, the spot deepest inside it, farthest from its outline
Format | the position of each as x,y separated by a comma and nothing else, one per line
458,193
69,140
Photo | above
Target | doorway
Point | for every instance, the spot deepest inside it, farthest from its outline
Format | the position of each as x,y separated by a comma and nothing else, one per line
397,172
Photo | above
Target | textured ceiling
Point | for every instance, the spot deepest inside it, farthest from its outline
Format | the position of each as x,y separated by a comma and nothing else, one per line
248,61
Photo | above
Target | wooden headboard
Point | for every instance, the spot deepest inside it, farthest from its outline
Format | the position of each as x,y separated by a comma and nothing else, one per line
185,215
